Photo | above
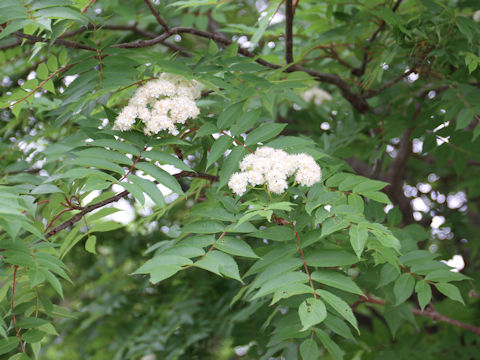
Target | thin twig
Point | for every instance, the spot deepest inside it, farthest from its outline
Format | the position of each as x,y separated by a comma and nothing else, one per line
157,16
289,31
208,252
361,70
77,217
299,247
238,142
43,83
432,314
88,5
69,44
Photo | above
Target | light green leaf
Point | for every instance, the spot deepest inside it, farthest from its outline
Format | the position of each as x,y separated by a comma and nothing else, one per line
245,122
378,196
329,258
332,348
62,13
336,280
312,312
8,344
290,290
53,281
338,326
163,266
369,186
263,133
309,350
230,165
98,163
235,246
204,227
218,149
450,291
358,238
165,158
229,115
279,282
45,189
445,276
424,293
101,153
388,274
42,71
149,188
331,225
277,233
161,176
52,63
340,306
90,244
220,264
31,322
403,288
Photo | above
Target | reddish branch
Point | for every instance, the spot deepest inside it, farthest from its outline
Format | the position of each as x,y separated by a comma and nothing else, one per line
131,168
208,252
13,308
238,142
88,5
63,68
432,314
299,247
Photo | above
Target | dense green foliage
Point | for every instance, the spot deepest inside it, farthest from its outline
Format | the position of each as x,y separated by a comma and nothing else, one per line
347,268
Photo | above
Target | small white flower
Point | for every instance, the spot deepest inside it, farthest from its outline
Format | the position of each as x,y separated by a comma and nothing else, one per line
160,104
317,95
238,183
476,16
272,167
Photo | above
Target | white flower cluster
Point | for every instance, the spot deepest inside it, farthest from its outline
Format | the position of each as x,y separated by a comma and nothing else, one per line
273,167
160,104
317,95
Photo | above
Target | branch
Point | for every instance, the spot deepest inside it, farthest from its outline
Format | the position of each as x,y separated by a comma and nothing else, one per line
432,314
288,31
361,70
374,92
396,171
299,249
69,44
77,217
157,16
88,5
357,101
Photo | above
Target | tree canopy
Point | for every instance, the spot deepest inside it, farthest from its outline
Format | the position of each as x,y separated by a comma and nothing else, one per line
246,179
